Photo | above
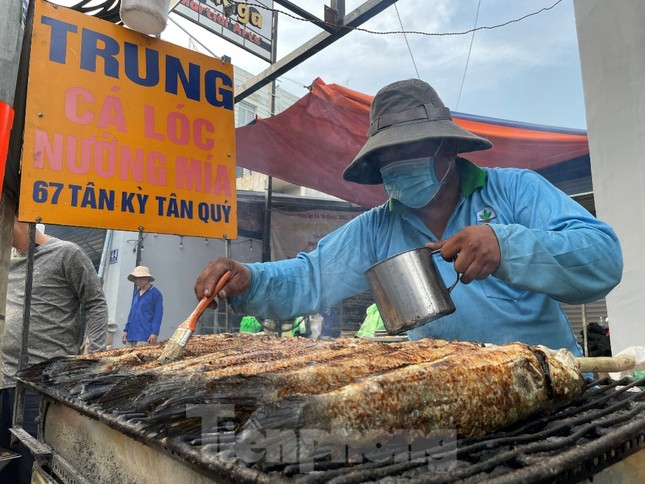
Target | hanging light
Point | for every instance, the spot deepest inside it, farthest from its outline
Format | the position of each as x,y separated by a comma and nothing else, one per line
145,16
251,245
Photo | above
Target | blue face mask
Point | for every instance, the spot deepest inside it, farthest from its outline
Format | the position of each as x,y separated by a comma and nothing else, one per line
412,182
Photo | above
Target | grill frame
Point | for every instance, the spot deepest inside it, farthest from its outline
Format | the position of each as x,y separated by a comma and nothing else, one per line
581,458
263,380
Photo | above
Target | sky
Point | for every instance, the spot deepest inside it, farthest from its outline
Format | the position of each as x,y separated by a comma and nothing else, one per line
527,71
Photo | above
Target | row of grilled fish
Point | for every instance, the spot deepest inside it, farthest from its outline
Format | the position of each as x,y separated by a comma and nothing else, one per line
347,384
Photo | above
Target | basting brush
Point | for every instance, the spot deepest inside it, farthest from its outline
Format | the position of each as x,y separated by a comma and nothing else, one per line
184,331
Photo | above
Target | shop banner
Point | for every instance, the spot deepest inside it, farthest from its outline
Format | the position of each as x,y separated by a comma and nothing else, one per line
293,232
245,24
125,131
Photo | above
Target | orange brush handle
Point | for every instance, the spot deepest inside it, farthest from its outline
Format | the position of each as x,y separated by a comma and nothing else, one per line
191,321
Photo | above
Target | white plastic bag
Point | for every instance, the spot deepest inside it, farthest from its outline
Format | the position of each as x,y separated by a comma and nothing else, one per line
638,352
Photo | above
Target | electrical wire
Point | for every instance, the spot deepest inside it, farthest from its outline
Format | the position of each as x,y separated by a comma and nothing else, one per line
109,10
406,41
415,32
472,39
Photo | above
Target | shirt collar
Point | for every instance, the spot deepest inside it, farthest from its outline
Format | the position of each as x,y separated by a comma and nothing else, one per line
471,177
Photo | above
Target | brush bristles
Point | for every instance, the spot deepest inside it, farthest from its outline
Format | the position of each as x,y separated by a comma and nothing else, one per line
176,344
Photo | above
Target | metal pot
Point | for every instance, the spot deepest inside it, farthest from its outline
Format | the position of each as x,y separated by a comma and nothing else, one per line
409,291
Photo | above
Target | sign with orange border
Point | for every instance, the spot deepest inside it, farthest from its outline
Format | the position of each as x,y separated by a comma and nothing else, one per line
125,131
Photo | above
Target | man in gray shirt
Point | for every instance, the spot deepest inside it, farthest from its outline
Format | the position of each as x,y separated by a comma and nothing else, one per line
64,279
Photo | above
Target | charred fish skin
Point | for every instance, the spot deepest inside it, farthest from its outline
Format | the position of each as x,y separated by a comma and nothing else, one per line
474,392
349,387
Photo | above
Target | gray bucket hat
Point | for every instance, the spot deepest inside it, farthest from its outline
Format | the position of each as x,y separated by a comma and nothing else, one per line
405,112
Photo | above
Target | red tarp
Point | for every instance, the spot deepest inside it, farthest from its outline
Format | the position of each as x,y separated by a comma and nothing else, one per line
312,142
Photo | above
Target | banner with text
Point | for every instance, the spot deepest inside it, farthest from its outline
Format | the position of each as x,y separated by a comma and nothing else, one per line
246,24
293,232
125,131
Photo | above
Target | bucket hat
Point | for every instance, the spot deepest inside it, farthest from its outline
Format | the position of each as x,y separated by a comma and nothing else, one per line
405,112
140,271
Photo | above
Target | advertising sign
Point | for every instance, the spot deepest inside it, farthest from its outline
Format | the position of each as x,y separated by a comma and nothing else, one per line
247,25
125,131
293,232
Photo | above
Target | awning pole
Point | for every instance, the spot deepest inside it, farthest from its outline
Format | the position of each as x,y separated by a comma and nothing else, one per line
227,314
266,235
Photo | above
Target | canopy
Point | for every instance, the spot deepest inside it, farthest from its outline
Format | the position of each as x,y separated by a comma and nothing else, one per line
313,141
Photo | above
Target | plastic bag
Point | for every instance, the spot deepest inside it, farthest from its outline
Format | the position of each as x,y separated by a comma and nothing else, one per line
638,352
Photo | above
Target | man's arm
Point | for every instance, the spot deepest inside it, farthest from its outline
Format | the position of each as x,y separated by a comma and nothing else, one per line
83,277
555,246
158,316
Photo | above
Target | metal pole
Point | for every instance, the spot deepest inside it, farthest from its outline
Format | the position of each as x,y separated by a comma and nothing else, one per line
266,236
266,233
26,312
139,247
23,361
227,316
338,6
107,243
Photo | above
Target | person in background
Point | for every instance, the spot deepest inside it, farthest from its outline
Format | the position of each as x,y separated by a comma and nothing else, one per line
146,311
520,245
64,281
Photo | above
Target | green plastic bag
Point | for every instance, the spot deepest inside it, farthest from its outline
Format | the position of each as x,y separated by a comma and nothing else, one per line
250,324
299,326
372,323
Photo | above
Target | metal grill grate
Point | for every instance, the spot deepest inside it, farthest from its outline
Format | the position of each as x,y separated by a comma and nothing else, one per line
604,425
599,429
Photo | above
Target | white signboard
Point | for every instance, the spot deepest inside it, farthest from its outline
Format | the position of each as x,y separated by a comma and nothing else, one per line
247,25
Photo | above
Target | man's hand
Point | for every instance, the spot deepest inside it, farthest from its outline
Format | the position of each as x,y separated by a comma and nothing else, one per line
124,337
238,283
474,249
152,338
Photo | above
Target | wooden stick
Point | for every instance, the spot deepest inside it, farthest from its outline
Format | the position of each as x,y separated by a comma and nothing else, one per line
606,363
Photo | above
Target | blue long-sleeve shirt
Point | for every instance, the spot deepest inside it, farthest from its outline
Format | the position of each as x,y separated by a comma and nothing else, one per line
145,315
552,250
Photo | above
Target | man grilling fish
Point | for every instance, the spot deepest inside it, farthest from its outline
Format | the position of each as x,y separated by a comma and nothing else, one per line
521,245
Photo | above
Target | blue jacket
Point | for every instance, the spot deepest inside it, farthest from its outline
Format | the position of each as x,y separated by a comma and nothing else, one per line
145,315
552,250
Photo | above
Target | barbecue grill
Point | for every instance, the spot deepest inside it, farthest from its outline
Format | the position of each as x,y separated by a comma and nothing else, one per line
91,430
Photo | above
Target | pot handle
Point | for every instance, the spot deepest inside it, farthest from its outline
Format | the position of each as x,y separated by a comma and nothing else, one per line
437,251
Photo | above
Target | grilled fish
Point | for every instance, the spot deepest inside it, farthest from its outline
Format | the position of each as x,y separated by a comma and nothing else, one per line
349,385
474,391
